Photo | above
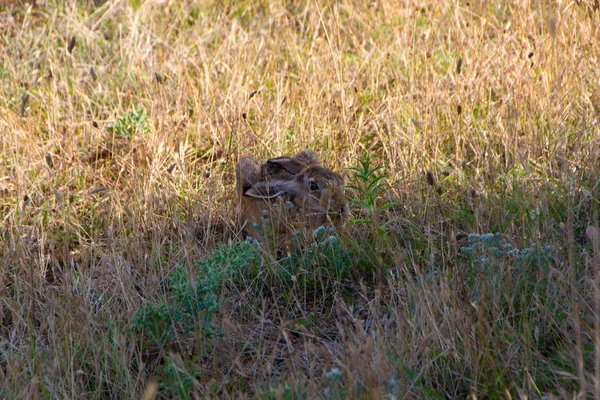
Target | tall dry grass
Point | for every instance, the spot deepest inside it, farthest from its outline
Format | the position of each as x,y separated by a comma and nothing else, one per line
121,124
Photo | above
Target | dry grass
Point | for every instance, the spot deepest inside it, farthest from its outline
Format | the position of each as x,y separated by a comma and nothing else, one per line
117,154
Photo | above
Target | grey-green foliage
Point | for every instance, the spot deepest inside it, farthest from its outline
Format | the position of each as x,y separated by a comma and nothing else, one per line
489,249
502,264
324,257
134,123
191,301
523,276
525,304
334,389
179,377
285,391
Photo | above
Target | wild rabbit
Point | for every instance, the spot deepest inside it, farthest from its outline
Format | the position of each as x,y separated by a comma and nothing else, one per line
288,194
288,166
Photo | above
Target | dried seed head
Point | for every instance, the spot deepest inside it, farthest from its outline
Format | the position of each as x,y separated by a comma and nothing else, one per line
71,45
58,197
98,190
24,101
459,66
93,73
26,201
49,160
430,179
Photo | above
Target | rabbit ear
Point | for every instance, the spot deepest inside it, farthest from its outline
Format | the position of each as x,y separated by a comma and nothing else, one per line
291,165
263,190
308,157
247,172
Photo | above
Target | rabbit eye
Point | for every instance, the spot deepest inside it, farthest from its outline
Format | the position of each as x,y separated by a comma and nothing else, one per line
313,185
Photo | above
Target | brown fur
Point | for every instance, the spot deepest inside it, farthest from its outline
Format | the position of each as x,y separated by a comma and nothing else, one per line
289,194
289,166
247,173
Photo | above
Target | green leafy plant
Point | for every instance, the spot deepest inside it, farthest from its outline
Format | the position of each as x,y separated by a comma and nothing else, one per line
135,123
367,182
285,391
324,258
525,280
179,377
335,379
489,249
191,303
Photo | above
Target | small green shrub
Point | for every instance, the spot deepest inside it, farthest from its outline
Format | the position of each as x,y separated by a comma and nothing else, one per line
179,377
488,250
135,123
375,248
367,183
191,303
325,258
285,391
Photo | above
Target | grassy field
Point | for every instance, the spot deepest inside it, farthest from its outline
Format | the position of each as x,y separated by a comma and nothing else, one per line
468,136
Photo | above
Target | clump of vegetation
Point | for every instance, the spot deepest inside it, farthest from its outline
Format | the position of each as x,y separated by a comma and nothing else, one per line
489,250
374,242
190,304
325,256
131,124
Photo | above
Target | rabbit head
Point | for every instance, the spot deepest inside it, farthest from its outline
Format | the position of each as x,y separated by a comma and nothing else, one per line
292,193
286,167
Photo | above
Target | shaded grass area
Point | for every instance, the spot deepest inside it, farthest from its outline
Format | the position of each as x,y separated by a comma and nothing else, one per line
468,136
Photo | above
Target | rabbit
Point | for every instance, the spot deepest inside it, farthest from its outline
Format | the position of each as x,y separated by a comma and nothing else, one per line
248,170
288,166
247,173
286,194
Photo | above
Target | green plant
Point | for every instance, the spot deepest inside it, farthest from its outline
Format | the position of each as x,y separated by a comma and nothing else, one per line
367,182
134,123
191,303
334,389
325,258
487,251
179,377
285,391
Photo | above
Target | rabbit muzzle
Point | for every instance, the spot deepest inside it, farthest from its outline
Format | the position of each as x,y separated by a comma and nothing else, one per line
331,206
